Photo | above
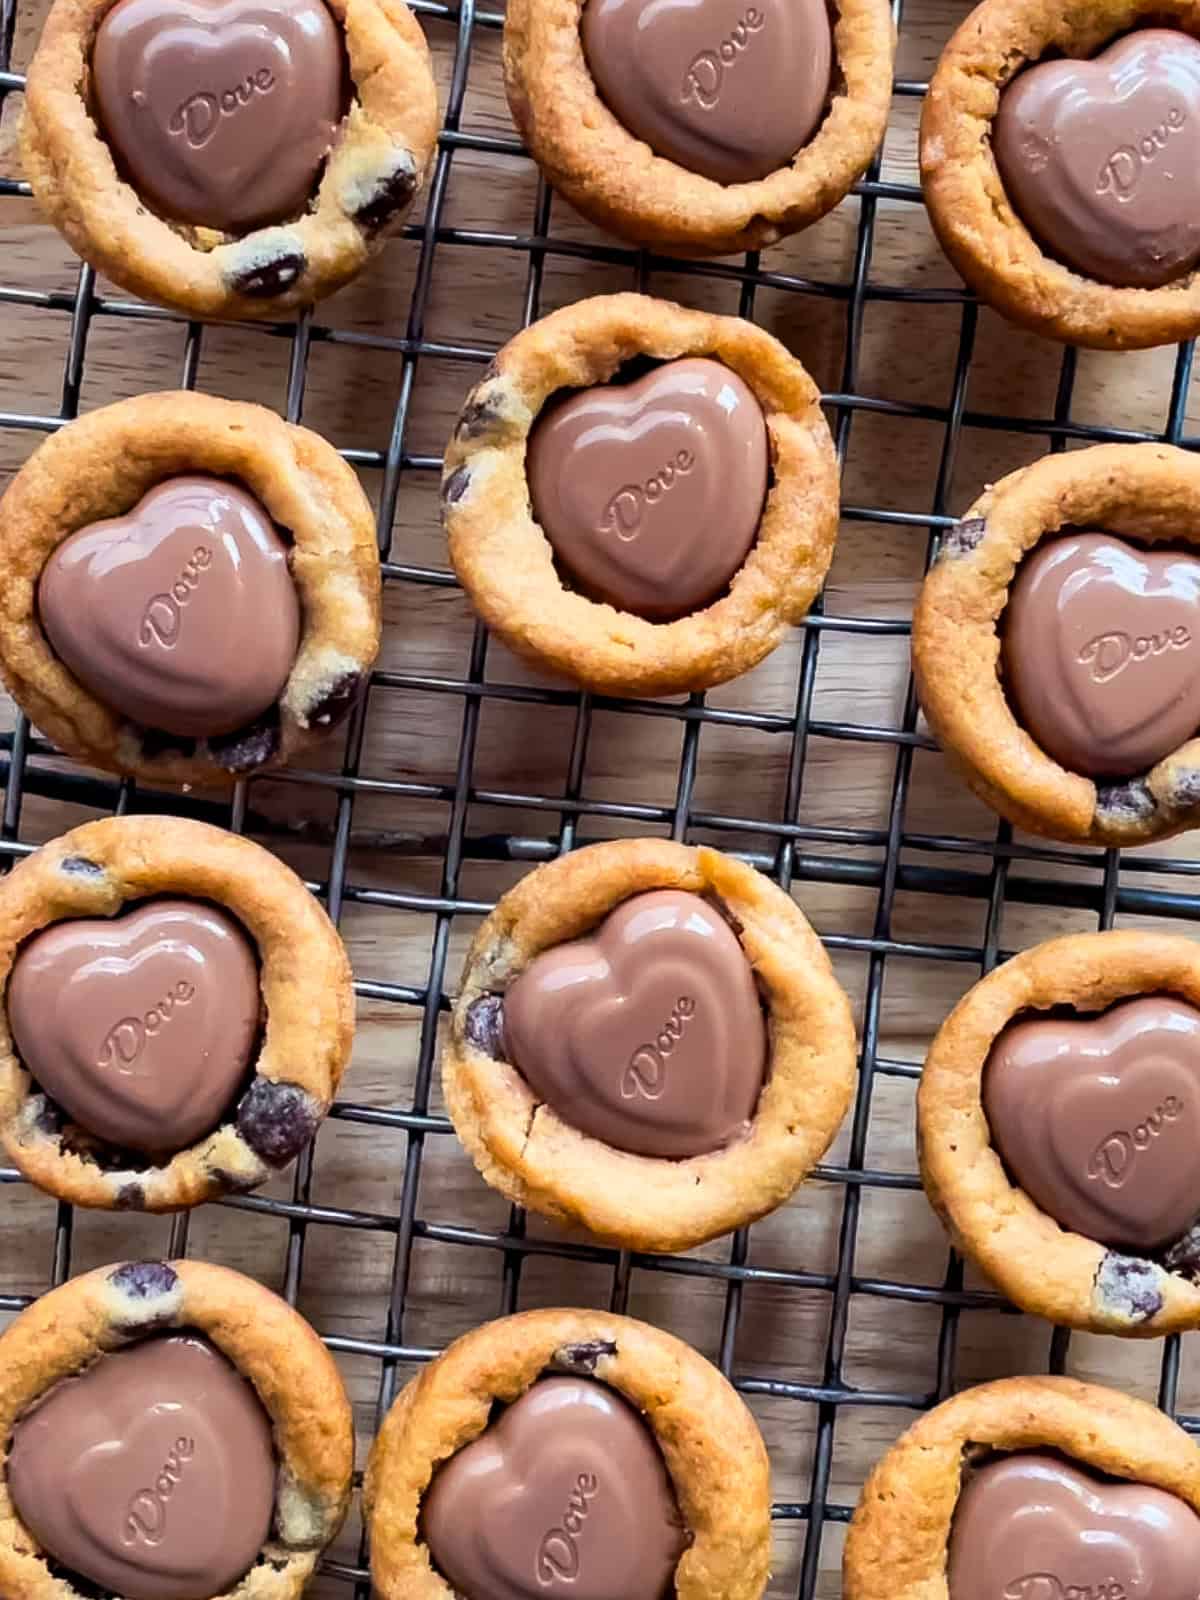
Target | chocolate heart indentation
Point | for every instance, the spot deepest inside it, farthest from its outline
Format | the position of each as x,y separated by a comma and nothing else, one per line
1101,158
1099,1121
1102,652
1033,1527
221,111
648,1035
651,492
140,1028
566,1495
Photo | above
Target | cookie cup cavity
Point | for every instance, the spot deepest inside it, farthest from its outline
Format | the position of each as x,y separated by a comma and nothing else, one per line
523,1148
709,1441
1041,1266
1148,492
307,999
375,168
610,175
101,466
506,563
896,1546
270,1345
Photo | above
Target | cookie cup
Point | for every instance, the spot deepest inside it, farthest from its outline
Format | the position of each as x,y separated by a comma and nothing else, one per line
713,1450
368,181
101,466
1149,492
270,1344
506,563
896,1545
521,1145
307,1000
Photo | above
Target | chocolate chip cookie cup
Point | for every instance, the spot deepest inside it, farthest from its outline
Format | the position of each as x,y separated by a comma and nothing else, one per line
640,497
703,129
158,1052
1058,159
649,1040
1030,1488
1056,645
621,1463
144,1405
189,588
236,160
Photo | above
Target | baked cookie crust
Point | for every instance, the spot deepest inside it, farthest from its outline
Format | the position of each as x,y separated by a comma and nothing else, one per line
969,207
506,563
1149,492
710,1442
307,997
616,180
524,1149
269,1343
369,180
1041,1266
100,466
896,1545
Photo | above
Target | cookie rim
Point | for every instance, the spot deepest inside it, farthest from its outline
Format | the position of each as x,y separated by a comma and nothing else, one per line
506,564
645,1202
305,983
711,1444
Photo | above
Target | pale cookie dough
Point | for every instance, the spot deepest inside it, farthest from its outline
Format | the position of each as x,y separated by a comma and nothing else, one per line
307,998
269,1343
506,564
100,466
374,170
711,1445
524,1149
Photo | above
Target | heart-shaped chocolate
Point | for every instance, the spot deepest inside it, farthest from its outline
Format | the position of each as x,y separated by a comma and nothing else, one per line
152,1474
1102,652
566,1494
1099,1121
140,1028
648,1035
1101,158
730,89
1032,1527
220,111
651,492
181,615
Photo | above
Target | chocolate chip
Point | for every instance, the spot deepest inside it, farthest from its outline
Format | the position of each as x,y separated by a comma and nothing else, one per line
1185,788
81,867
50,1119
1131,801
131,1197
266,278
390,196
232,1182
276,1120
337,700
1128,1287
478,416
962,538
456,485
144,1280
584,1358
248,748
156,744
485,1025
1184,1255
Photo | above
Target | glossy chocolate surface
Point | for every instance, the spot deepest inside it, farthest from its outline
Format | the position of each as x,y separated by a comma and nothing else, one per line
648,1035
1102,652
651,492
221,112
1101,158
140,1027
567,1494
182,615
730,89
152,1474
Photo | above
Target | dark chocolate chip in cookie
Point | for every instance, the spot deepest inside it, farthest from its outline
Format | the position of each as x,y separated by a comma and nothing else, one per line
392,195
81,867
249,748
962,538
277,1120
1127,1287
337,700
455,486
268,274
584,1358
144,1280
485,1025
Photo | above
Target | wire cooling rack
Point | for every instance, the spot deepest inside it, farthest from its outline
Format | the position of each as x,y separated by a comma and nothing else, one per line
995,870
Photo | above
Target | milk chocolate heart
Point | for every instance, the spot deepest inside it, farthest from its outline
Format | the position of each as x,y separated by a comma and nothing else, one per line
1032,1527
152,1474
566,1494
1102,158
1102,652
730,89
648,1035
140,1028
651,492
182,615
220,111
1099,1122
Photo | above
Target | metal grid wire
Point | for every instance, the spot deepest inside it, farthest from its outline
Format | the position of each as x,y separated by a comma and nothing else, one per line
789,851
